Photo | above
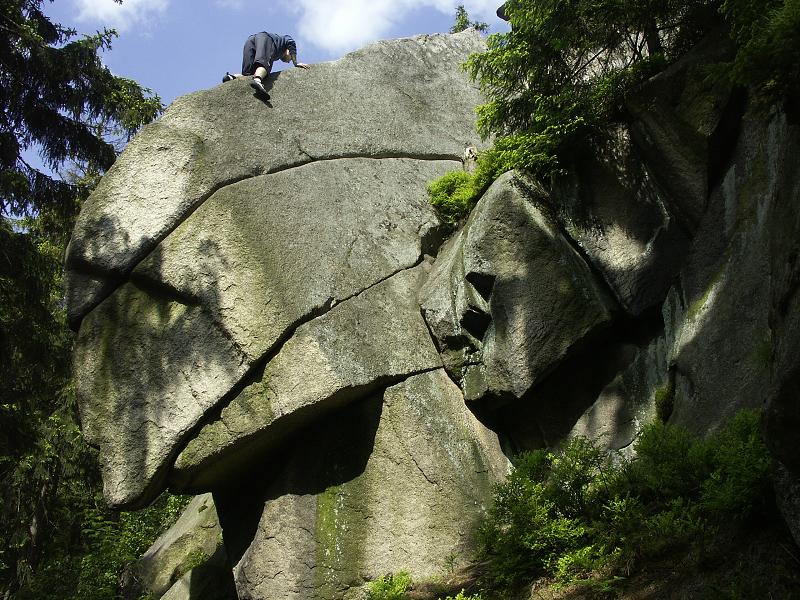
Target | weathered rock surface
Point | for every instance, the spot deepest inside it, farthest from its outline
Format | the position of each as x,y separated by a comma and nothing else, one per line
227,287
685,126
402,98
268,253
210,581
629,402
397,468
194,540
732,323
364,343
509,297
787,495
606,393
620,218
147,369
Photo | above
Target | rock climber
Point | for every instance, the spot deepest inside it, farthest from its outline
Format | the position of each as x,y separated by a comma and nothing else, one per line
260,51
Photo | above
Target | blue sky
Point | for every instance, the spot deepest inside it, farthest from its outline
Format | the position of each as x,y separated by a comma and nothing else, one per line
179,46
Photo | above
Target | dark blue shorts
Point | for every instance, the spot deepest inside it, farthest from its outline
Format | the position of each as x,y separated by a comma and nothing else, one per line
258,51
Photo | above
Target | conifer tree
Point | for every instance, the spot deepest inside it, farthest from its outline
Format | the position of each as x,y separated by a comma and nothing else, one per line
57,99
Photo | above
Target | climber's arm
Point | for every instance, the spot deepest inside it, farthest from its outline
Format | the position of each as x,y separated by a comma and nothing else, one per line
298,64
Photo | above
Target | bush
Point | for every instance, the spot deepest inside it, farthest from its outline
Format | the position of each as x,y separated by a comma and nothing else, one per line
578,517
390,587
455,194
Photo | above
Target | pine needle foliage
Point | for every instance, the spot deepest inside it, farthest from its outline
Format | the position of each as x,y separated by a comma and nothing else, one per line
578,516
558,81
57,98
60,101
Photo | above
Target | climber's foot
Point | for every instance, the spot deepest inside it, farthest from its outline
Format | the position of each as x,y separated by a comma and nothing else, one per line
259,88
228,77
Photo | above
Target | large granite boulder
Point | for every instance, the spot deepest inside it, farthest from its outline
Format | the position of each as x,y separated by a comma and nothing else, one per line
622,220
509,297
247,291
405,478
732,323
227,225
189,549
404,98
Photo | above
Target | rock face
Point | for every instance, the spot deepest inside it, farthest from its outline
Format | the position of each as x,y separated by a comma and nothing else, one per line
398,466
268,311
732,324
492,296
405,98
620,217
247,285
230,241
189,556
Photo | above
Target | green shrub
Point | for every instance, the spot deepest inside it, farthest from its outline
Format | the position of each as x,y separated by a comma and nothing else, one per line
455,194
576,516
111,541
738,482
452,195
390,587
461,596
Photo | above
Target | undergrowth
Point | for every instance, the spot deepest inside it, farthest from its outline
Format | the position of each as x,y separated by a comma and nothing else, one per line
390,587
112,542
580,517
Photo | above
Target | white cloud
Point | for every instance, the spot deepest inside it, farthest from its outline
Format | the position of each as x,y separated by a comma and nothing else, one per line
347,24
123,16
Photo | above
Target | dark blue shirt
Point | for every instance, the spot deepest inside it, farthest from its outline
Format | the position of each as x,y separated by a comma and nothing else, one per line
281,43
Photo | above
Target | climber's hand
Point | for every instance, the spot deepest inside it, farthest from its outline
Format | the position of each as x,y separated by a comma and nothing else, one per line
302,65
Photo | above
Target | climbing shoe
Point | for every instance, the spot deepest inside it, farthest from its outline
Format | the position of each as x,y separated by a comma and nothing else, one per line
259,88
228,77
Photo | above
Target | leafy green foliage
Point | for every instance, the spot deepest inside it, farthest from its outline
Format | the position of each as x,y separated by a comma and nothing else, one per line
559,79
455,193
112,541
462,22
390,587
579,517
767,33
57,98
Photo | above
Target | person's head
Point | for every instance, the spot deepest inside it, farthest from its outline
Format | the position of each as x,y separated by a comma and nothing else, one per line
289,53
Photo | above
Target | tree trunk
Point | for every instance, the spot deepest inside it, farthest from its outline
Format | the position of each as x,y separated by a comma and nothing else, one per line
652,38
